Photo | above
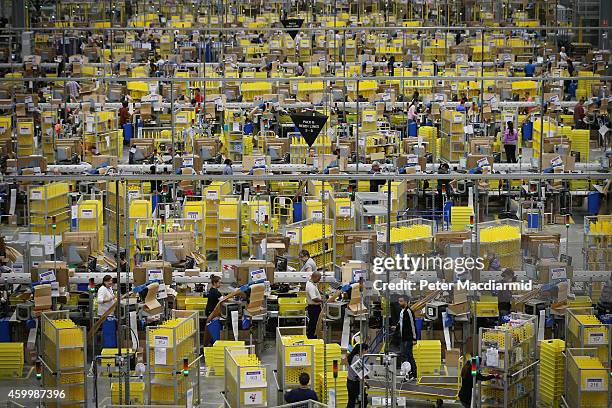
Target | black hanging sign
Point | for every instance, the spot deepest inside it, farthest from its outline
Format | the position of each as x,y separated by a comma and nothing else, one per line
309,124
292,23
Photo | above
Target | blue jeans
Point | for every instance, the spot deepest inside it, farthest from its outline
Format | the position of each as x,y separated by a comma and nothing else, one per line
406,355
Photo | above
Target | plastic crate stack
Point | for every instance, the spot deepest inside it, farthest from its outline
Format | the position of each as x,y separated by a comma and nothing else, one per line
502,239
339,386
215,355
343,215
460,217
196,210
587,380
332,352
580,143
47,202
90,218
295,344
229,231
398,197
586,330
245,380
452,146
212,195
11,360
598,243
309,235
406,238
25,137
552,367
428,356
167,345
63,352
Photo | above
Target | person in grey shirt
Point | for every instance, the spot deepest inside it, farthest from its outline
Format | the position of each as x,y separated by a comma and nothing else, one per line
309,264
228,170
353,384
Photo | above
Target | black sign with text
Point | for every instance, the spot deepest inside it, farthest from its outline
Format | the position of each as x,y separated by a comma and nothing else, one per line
292,23
309,124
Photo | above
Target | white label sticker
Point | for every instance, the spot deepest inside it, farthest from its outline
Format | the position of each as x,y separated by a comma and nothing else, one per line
24,130
212,195
597,338
292,235
253,398
344,211
188,161
47,276
558,273
317,215
161,341
133,194
36,251
298,358
36,195
193,215
381,236
253,377
594,384
87,213
258,275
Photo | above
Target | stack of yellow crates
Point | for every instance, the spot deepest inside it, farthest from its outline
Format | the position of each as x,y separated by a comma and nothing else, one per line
580,143
552,376
63,350
590,377
339,385
429,133
215,356
460,217
333,352
25,137
49,202
212,195
11,360
345,221
411,239
180,336
229,220
453,145
428,357
90,218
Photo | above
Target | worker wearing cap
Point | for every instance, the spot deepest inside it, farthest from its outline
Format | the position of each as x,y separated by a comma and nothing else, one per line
313,307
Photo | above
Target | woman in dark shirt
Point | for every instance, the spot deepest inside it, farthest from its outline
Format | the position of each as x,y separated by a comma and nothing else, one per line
213,294
467,383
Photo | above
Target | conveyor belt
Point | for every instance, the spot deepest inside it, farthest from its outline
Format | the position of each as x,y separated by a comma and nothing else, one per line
438,380
413,388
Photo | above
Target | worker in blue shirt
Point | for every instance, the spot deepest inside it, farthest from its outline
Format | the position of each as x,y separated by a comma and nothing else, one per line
303,393
530,68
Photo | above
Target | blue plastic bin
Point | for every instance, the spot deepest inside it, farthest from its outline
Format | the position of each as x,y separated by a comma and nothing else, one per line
593,200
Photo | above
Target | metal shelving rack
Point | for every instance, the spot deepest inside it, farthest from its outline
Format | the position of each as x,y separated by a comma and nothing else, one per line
64,358
245,378
515,345
166,383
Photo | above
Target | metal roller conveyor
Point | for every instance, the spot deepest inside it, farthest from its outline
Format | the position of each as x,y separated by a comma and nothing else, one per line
411,389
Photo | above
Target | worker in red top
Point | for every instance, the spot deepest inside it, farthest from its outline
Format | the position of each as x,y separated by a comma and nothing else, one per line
124,114
198,96
579,115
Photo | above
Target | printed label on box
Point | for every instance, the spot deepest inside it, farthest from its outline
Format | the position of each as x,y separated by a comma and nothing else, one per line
594,384
597,338
87,213
253,377
298,358
35,195
212,195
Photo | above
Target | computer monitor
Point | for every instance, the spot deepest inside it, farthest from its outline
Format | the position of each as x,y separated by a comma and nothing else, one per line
77,254
170,254
205,153
189,262
92,263
281,264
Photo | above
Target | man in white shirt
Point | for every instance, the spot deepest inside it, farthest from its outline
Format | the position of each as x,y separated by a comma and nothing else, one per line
562,55
106,296
313,300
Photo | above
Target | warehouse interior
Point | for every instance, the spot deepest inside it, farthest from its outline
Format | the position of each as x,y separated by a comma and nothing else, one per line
305,203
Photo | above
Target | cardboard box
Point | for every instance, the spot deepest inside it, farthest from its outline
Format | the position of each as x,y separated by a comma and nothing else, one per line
42,297
243,270
104,161
451,357
140,272
548,269
59,267
458,308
